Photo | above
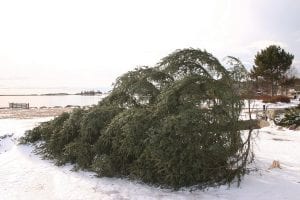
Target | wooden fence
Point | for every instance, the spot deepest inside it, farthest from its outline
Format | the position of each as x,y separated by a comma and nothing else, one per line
19,105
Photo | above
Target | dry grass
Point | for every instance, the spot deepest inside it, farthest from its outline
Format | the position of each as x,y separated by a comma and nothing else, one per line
32,113
274,99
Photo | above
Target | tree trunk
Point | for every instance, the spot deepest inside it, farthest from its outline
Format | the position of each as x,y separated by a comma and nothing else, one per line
272,86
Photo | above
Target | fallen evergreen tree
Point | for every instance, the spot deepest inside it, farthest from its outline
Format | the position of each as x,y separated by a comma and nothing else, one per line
172,125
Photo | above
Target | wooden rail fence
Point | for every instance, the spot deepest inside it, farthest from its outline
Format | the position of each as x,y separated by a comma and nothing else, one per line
19,105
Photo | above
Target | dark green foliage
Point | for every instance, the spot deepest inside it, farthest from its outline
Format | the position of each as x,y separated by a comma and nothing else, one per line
249,124
46,130
124,139
32,136
272,64
78,152
103,166
291,117
184,150
138,87
174,125
236,69
95,120
241,78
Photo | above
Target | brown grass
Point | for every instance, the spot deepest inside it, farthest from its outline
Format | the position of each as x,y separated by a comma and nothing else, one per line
269,99
278,98
32,113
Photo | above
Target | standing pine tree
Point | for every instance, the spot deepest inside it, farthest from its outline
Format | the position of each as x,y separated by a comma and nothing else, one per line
272,64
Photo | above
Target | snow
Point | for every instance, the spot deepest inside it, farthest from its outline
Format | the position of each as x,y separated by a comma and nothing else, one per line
256,107
258,104
24,175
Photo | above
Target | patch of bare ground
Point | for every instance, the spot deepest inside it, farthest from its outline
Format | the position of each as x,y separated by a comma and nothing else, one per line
32,112
280,139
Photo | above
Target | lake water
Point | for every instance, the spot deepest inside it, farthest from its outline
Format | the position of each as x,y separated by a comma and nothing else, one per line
51,101
28,91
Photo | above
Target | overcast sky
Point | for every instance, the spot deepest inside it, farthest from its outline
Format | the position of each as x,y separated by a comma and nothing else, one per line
86,43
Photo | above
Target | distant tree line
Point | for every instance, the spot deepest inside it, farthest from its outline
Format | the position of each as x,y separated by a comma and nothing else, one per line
90,92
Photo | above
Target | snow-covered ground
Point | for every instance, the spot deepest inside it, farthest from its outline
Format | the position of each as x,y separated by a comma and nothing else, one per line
256,107
24,175
258,104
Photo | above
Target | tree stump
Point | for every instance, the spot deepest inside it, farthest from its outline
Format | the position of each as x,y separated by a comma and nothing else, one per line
275,164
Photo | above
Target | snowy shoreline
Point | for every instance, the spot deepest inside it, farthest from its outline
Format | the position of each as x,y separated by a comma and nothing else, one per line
24,175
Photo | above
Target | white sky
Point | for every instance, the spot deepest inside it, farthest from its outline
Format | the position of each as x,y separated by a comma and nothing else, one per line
73,43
